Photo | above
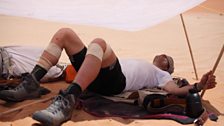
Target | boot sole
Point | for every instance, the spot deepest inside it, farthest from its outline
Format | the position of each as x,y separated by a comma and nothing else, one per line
46,122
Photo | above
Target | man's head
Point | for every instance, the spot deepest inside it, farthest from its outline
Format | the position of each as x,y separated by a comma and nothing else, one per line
164,62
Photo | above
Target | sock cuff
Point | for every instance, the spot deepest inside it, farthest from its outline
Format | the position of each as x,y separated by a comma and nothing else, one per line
38,72
74,89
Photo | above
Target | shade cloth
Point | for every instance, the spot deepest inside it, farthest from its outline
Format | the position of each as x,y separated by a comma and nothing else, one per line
129,15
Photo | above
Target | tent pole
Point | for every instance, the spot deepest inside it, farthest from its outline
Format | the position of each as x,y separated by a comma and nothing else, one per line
189,46
24,106
214,68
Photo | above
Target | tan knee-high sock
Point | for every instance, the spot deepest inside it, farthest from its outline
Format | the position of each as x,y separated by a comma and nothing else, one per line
48,59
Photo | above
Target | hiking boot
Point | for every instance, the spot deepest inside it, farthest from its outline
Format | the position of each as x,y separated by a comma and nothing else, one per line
27,89
58,112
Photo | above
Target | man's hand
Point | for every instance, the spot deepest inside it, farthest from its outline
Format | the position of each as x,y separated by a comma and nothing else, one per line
207,80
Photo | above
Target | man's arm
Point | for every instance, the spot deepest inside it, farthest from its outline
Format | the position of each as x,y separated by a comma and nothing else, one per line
207,79
172,88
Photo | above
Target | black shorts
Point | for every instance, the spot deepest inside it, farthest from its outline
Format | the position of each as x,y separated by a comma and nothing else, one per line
110,80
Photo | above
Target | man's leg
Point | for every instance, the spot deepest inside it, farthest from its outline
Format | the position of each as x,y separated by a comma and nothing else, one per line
98,55
63,39
29,88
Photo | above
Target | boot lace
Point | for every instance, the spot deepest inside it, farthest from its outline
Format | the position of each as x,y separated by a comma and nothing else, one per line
58,104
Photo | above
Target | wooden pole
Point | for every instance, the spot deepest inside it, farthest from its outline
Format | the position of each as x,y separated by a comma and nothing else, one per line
10,82
189,46
214,68
23,106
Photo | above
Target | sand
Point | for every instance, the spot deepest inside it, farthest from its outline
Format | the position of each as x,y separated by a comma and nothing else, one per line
206,34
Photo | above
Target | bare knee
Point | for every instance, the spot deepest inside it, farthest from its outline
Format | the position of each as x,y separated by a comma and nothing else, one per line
66,31
63,35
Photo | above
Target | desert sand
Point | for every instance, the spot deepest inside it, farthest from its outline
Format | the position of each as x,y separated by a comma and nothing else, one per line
205,29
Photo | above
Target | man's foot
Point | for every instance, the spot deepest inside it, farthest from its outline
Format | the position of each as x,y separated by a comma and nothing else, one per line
58,112
27,89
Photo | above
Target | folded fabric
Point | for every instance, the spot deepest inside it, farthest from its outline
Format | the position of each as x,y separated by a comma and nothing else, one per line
100,106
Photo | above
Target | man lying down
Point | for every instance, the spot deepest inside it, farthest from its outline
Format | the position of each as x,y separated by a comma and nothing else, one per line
100,71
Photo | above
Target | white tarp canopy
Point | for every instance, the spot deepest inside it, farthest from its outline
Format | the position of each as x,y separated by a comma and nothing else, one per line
129,15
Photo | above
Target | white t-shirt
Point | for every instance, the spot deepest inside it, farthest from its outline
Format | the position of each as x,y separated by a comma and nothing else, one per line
142,74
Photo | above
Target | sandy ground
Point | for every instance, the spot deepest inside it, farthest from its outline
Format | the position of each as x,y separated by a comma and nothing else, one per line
206,34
